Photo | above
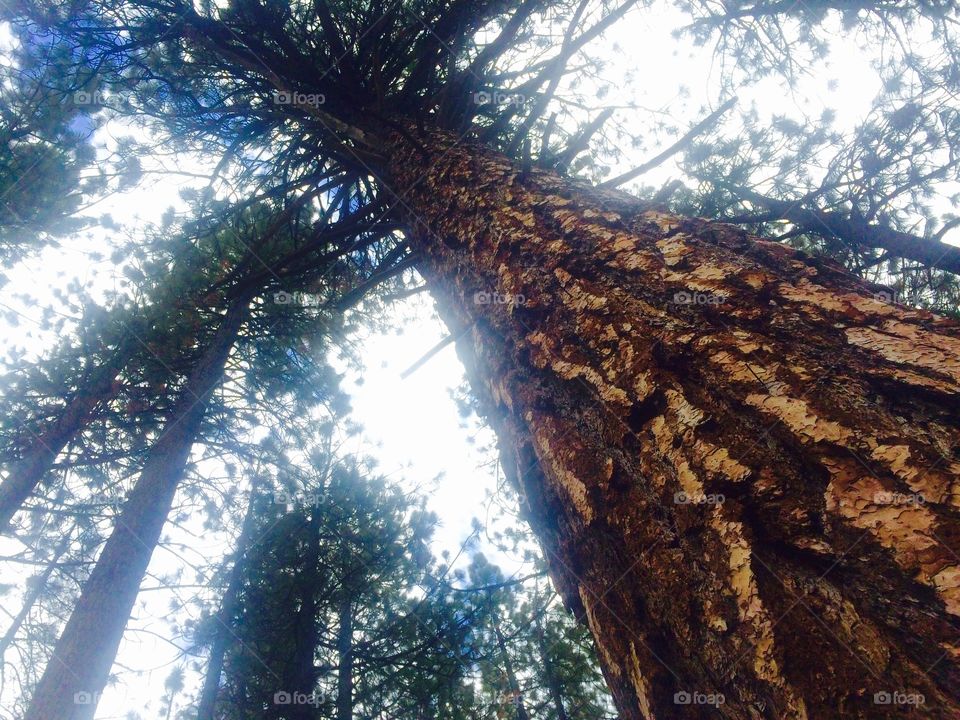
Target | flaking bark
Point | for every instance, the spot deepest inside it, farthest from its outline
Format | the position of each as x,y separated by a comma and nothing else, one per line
741,462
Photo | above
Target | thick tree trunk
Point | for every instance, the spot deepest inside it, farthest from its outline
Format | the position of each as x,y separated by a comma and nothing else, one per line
24,474
223,632
742,465
78,671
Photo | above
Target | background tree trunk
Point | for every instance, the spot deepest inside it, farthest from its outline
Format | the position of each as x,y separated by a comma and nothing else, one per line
300,676
36,459
345,660
553,683
35,587
516,695
742,465
78,670
223,633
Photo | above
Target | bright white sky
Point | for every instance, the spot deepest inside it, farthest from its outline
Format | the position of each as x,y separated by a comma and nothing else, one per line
413,424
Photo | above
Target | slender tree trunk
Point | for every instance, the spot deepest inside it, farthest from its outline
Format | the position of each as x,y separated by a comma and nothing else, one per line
345,661
743,467
35,585
553,683
223,633
35,461
300,678
24,474
511,674
78,671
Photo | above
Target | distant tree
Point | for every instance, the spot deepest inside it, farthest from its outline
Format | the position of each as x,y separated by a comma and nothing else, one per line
43,150
540,664
333,615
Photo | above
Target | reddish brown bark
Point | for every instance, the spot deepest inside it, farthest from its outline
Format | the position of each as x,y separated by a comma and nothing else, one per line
630,360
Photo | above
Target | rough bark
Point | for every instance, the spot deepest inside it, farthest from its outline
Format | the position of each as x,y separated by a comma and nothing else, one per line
742,465
24,474
78,671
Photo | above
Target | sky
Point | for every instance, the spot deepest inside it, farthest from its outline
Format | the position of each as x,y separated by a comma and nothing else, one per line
412,426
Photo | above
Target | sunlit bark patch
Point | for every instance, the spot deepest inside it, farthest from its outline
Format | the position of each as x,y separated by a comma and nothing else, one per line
947,583
556,457
797,415
930,484
901,523
908,345
752,612
586,599
640,684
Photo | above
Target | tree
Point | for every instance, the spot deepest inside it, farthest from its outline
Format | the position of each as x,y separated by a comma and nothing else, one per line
98,620
639,377
717,435
538,660
40,183
90,639
325,621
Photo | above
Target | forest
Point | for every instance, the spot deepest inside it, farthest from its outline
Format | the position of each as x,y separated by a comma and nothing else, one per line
479,360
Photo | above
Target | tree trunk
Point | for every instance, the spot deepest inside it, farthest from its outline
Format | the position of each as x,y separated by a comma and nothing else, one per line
300,676
36,459
345,661
742,465
36,585
515,692
223,633
78,671
553,683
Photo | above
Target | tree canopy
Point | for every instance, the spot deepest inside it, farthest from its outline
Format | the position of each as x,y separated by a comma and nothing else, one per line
279,118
